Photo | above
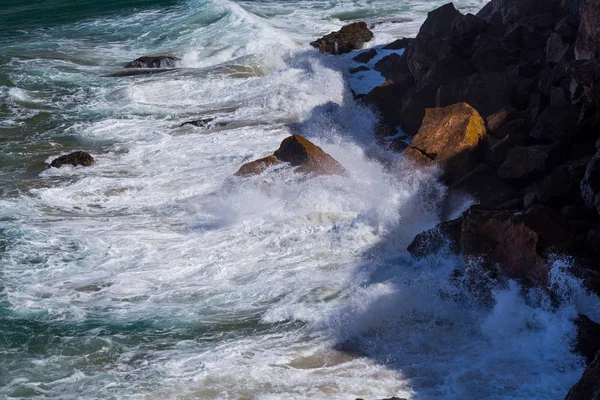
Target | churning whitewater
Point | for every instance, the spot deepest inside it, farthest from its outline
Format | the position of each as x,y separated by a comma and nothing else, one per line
157,274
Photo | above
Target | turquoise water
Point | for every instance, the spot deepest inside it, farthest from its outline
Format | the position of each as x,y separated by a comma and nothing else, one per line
155,274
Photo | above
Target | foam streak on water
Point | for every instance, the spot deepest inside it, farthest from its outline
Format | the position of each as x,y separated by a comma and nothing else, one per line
156,274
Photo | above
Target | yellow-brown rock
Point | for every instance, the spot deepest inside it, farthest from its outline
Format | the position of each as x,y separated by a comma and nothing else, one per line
256,167
450,137
298,152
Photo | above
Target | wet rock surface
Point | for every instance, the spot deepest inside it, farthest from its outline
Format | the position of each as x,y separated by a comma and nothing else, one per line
77,158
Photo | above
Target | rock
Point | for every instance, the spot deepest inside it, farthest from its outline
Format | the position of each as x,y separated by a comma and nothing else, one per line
137,72
590,184
588,387
445,235
198,122
511,11
299,152
394,67
502,237
465,29
553,230
386,99
365,56
398,44
446,69
452,137
556,48
76,158
153,62
486,92
483,184
358,69
257,167
586,74
433,40
414,104
308,157
556,123
587,45
496,120
350,37
561,186
526,163
524,37
588,337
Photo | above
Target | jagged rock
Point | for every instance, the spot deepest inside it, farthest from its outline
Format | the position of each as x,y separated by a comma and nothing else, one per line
395,68
556,123
588,337
483,184
526,163
553,230
587,45
452,137
588,387
511,11
561,185
586,74
76,158
365,56
386,99
414,104
153,62
590,184
299,152
433,41
556,48
446,69
398,44
350,37
465,29
446,235
496,120
486,92
198,122
502,237
257,167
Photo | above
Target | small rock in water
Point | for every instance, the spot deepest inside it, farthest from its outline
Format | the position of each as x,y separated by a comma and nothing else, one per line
358,69
365,56
350,37
76,158
198,122
153,62
137,72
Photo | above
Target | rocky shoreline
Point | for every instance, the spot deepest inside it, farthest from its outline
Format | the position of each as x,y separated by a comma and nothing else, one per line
506,104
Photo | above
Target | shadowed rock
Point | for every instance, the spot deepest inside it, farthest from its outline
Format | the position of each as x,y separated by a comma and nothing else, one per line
76,158
365,56
153,62
137,72
587,45
350,37
588,387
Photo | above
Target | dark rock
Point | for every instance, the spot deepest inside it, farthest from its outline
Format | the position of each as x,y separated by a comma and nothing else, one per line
588,337
446,69
556,123
486,92
153,62
465,29
539,21
414,104
394,67
556,48
526,163
358,69
567,29
502,237
524,37
350,37
496,156
561,185
451,137
590,184
445,235
496,120
200,123
257,167
399,44
510,11
76,158
365,56
137,72
439,21
386,99
587,45
484,185
586,74
553,230
588,387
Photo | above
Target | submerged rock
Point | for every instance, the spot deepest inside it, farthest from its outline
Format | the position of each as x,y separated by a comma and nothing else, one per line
450,137
76,158
298,152
137,72
153,62
350,37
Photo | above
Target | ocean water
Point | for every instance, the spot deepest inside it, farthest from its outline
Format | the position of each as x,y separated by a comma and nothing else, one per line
156,274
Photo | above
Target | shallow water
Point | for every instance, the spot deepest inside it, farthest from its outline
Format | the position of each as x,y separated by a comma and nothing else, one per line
156,274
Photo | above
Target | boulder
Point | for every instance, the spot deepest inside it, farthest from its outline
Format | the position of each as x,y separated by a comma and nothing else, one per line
561,186
439,21
350,37
415,102
365,56
75,159
465,28
446,235
556,48
590,184
586,74
486,92
511,11
502,238
386,100
153,62
496,120
483,184
446,69
257,167
398,44
301,153
557,123
394,67
587,45
588,387
452,137
524,164
588,337
555,234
